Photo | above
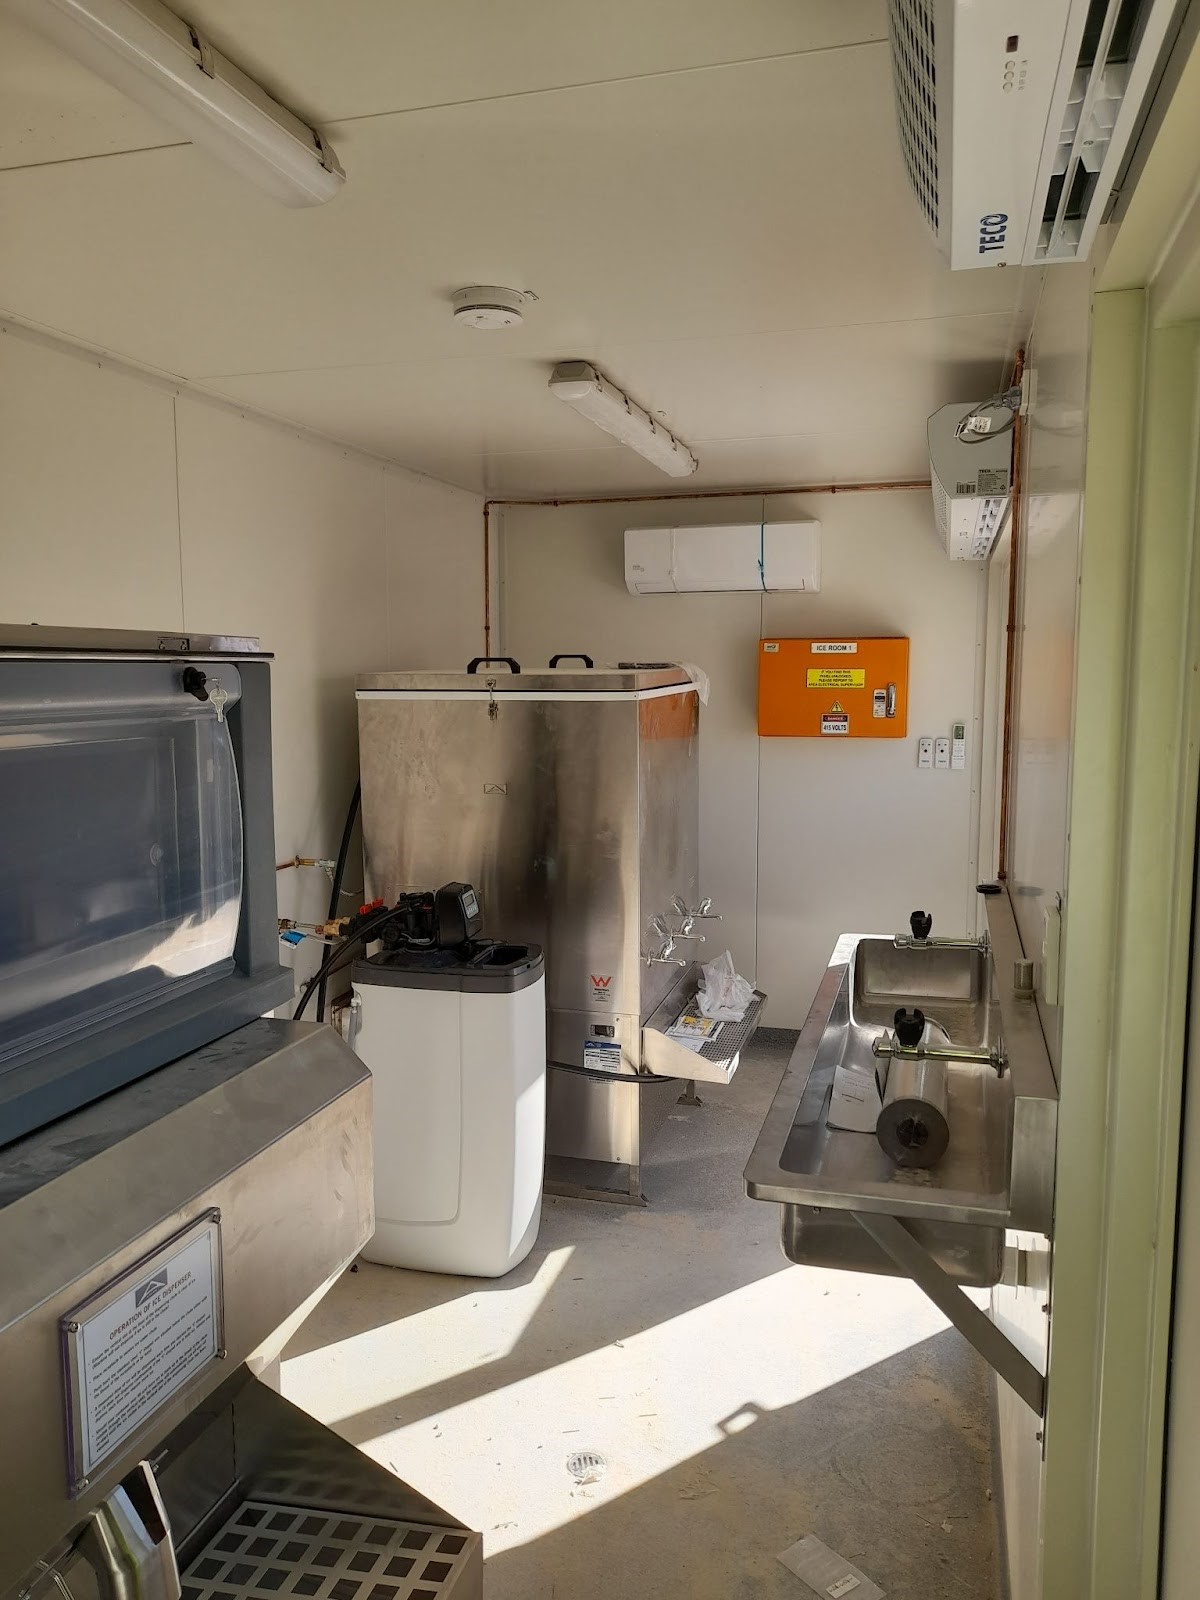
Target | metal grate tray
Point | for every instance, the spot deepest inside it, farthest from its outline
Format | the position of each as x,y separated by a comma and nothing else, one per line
715,1061
271,1552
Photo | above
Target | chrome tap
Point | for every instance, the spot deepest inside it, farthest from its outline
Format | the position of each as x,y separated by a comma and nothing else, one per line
701,913
683,931
666,955
921,937
905,1045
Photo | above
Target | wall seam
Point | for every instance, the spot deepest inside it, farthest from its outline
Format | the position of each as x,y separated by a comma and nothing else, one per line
178,508
153,377
758,749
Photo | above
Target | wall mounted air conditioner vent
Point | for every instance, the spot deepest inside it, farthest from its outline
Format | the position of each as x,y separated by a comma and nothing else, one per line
972,485
1015,119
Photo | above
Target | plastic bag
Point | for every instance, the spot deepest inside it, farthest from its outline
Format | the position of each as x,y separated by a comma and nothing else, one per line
723,995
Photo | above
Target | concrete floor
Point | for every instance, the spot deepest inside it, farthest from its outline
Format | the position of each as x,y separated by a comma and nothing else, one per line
740,1402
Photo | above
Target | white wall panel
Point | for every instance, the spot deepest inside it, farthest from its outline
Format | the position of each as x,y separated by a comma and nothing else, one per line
853,835
88,527
284,538
434,573
824,837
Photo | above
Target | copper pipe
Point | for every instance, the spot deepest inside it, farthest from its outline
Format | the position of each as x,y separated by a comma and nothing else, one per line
678,494
487,576
1010,658
712,494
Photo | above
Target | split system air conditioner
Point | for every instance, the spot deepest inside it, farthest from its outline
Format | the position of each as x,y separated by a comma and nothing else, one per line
1015,119
771,556
972,485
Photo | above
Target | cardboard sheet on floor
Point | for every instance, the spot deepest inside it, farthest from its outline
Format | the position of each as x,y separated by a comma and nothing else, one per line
827,1574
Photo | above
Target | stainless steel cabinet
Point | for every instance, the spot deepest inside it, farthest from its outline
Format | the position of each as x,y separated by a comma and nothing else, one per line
571,800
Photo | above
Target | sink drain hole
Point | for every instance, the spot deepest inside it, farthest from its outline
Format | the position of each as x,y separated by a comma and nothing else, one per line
587,1466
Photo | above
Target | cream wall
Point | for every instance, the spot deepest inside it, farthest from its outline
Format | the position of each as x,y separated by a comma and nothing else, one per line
800,839
127,503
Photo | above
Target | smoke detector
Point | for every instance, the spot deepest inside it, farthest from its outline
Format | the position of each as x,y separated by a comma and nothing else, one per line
489,307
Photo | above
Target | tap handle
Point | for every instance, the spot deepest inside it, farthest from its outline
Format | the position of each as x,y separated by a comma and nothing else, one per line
704,911
910,1026
921,924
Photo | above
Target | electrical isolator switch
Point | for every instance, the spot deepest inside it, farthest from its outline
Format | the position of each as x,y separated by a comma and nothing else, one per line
925,752
941,754
958,747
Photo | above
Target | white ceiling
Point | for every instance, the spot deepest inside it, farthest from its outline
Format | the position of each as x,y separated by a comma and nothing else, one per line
706,196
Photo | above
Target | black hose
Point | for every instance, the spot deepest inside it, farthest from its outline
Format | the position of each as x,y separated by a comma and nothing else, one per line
327,966
339,873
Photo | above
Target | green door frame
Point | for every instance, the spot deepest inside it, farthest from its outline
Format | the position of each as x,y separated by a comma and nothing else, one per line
1136,754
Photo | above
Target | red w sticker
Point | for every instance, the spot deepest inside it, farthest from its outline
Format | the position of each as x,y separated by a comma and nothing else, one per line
601,983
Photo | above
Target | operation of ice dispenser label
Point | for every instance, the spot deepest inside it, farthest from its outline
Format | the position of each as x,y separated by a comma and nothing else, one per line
602,1055
136,1344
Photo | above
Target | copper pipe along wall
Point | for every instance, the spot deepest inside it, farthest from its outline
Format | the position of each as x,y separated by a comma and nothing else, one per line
487,577
1010,656
641,499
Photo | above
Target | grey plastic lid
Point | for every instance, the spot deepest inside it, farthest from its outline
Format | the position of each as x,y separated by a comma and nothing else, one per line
516,967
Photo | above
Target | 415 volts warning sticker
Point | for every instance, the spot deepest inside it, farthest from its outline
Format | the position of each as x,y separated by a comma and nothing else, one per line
836,678
835,722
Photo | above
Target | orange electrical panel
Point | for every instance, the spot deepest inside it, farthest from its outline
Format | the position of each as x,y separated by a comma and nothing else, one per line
840,688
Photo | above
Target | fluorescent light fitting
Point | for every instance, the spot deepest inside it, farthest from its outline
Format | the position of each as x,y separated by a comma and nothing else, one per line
601,402
164,64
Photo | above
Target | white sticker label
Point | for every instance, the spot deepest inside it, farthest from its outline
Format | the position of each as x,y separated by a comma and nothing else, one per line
602,1055
842,1586
828,647
771,647
139,1347
693,1032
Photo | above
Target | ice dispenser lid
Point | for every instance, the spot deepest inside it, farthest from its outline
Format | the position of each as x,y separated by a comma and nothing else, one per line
500,675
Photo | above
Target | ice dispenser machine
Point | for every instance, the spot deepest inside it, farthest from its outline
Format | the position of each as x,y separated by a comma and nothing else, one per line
137,900
181,1176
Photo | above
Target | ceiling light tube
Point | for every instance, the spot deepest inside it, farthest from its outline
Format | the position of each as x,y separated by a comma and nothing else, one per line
164,64
601,402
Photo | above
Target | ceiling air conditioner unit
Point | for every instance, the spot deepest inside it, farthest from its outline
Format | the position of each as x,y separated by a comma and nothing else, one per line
972,485
1015,118
764,557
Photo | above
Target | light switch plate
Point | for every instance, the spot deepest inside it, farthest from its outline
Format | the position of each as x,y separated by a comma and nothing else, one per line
925,752
941,754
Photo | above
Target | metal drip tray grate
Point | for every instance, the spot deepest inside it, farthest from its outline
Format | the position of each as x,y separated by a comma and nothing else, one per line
271,1552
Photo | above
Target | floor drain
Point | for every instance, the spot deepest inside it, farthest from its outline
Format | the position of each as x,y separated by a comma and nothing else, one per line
587,1466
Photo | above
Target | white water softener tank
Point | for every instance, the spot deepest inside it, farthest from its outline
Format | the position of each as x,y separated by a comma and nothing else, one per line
456,1043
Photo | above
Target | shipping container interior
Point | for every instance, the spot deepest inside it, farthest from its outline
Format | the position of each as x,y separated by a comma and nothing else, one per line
599,753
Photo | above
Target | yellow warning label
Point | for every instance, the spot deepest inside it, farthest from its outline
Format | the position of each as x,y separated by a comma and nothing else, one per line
837,678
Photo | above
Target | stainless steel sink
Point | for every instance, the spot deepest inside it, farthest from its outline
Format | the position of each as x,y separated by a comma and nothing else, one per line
843,1202
951,986
958,1210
